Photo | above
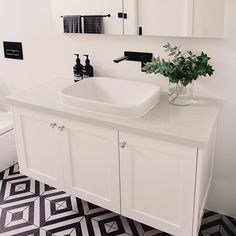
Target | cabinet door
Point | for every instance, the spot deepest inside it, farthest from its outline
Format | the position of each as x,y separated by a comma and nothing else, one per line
207,25
163,17
92,168
38,147
181,18
158,183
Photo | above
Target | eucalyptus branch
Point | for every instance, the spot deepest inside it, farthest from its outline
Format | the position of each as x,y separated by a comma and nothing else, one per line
180,67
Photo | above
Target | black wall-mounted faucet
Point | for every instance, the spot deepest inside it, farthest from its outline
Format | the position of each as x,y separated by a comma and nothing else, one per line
143,57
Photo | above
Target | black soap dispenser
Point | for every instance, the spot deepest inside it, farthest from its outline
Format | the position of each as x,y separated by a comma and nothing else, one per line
78,69
88,69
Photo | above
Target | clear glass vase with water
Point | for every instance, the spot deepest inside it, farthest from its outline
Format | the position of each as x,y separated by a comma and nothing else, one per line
180,94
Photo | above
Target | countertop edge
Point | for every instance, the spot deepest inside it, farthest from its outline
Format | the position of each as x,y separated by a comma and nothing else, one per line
139,131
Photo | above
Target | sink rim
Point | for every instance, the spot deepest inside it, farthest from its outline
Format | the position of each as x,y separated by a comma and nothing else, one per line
154,94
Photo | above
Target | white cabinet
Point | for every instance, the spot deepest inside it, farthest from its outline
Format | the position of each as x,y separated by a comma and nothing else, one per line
158,183
163,17
161,184
92,164
208,18
79,158
38,147
179,18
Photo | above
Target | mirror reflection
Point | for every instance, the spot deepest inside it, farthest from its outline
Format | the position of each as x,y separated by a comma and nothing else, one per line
87,16
181,18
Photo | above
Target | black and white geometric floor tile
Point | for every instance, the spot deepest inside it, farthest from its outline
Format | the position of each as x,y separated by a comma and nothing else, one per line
214,224
31,208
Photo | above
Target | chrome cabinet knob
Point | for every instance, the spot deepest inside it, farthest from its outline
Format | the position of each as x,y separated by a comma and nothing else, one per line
53,125
123,144
61,128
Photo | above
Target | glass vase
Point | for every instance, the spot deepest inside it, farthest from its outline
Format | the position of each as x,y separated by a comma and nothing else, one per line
180,94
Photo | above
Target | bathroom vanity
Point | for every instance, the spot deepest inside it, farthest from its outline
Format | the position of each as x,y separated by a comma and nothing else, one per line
156,169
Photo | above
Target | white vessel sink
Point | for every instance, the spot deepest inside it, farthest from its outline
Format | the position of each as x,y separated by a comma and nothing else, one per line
117,97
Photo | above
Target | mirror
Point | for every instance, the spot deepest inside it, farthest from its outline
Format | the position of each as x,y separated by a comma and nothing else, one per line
60,9
185,18
179,18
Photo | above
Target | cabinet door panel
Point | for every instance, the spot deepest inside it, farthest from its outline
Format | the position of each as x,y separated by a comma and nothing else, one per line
207,25
38,149
163,17
181,18
157,183
93,168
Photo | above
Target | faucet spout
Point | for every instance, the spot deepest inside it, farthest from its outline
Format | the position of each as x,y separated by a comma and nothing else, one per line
142,57
121,59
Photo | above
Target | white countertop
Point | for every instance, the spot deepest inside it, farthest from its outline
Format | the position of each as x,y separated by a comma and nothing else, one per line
191,125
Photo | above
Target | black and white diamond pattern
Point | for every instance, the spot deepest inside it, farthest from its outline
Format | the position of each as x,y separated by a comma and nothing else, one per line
214,224
31,208
12,172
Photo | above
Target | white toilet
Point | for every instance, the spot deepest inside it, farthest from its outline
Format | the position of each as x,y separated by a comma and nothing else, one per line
8,154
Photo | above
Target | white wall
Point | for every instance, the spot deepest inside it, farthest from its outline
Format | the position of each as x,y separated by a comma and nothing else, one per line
49,54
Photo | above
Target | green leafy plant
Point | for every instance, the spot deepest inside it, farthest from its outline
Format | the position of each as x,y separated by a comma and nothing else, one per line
181,67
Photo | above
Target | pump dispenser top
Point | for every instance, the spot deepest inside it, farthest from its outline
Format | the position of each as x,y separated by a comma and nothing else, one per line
78,69
88,69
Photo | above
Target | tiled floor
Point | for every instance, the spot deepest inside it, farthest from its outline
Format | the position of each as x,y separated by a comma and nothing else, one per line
28,207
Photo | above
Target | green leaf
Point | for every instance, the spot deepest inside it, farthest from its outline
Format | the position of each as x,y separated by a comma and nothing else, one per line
180,66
